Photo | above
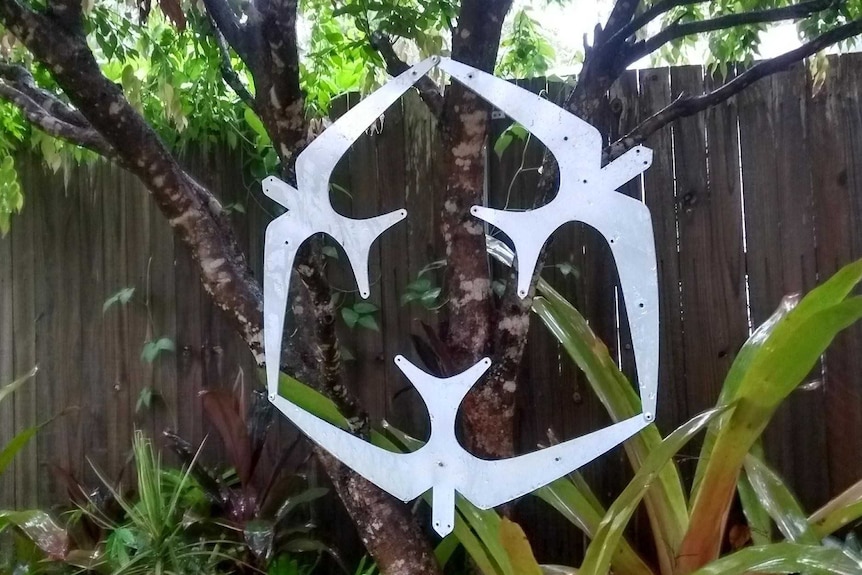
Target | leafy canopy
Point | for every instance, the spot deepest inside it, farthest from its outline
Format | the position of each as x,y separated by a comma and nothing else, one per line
171,68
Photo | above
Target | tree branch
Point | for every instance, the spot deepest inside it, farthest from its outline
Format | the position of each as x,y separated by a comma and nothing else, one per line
52,125
687,105
228,24
680,30
647,16
428,89
621,14
230,76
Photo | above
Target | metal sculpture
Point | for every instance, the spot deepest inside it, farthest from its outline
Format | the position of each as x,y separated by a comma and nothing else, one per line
587,194
309,211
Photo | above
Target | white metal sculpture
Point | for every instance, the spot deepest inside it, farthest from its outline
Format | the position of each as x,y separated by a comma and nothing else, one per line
587,194
309,211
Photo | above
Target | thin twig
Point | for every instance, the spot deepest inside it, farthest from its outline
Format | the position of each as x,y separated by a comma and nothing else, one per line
680,30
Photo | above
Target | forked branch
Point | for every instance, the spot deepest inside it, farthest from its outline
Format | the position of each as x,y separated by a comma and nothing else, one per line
228,72
686,105
228,24
680,30
47,112
428,89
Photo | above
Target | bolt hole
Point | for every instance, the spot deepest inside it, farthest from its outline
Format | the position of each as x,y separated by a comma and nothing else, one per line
641,305
585,181
612,240
646,163
556,459
637,151
565,138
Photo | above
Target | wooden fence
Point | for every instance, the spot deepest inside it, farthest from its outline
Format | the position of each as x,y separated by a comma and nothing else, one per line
757,198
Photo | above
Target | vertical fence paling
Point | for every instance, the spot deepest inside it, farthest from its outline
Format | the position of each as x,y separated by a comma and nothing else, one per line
799,187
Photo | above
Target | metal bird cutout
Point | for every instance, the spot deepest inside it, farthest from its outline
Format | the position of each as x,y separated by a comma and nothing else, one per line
587,194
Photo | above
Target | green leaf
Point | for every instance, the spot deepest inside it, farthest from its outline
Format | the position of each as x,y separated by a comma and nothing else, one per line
123,297
350,316
838,512
152,349
255,124
575,501
446,548
364,307
518,548
117,545
783,558
759,522
610,532
368,321
310,400
10,388
502,144
420,285
16,444
666,502
145,398
779,502
773,363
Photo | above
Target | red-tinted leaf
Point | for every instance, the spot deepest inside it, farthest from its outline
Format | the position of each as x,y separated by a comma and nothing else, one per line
223,411
174,11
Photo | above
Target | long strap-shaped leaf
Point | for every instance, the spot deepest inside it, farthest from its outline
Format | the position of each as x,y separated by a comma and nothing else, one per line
775,363
840,511
784,558
600,552
779,502
666,502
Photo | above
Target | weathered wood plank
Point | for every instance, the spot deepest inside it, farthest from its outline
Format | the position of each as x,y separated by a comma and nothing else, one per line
24,326
367,377
711,262
7,357
781,254
834,122
660,198
92,426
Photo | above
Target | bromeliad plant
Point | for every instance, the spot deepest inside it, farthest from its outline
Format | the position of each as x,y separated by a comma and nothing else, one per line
264,506
688,524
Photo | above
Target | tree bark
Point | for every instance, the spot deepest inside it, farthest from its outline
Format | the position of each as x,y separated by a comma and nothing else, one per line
488,409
